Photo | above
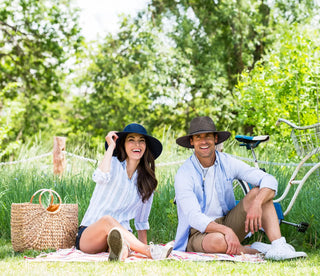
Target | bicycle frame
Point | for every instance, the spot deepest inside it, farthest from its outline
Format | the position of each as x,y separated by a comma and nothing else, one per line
250,143
292,180
310,140
315,151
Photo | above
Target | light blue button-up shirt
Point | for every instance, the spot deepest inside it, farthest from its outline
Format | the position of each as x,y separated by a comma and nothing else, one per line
117,195
194,196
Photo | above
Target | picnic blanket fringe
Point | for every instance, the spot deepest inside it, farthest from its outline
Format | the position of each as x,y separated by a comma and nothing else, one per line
74,255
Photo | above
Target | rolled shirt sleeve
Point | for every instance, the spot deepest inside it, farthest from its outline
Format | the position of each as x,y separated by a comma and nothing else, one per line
252,175
100,177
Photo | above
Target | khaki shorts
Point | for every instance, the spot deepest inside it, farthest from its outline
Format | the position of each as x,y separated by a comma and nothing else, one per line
235,219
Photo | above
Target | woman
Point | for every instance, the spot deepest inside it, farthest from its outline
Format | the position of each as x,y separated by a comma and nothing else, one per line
125,182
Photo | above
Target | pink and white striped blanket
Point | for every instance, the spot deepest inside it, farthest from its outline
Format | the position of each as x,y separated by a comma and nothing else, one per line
74,255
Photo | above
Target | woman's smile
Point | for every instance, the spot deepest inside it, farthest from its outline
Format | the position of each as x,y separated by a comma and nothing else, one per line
135,145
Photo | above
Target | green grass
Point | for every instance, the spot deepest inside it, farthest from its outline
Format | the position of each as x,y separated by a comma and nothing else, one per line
14,264
19,182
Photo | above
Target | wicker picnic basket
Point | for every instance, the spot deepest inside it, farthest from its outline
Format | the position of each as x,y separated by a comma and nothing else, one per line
34,226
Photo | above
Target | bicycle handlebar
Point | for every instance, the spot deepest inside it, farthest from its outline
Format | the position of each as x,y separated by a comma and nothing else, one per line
295,126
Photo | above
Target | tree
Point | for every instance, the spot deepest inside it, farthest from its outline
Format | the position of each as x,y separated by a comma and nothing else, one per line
284,84
144,75
176,60
125,76
10,114
36,40
237,31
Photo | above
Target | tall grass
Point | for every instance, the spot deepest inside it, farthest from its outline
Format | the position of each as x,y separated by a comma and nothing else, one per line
19,182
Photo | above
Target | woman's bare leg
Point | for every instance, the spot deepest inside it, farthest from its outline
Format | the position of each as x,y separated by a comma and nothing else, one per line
94,237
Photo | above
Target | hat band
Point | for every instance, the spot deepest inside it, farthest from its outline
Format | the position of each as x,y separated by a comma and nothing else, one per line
202,131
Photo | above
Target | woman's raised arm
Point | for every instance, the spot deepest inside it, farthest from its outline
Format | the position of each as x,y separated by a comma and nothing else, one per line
106,161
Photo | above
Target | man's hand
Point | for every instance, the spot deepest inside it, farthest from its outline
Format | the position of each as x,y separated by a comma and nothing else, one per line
254,218
233,243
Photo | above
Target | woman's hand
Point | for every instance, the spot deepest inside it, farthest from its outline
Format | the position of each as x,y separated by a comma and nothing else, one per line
111,139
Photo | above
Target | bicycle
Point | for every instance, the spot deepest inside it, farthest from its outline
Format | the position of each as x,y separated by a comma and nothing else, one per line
307,146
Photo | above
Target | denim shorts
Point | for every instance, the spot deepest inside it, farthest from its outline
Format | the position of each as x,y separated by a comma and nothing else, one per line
80,231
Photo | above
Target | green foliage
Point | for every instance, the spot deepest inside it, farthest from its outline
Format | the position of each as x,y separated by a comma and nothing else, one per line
36,40
174,61
146,76
284,84
10,114
237,32
123,78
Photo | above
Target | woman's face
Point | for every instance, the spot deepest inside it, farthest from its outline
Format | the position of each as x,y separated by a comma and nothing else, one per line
135,146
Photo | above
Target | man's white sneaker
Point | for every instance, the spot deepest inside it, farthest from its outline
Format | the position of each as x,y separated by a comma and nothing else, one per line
159,252
261,247
117,245
265,247
282,251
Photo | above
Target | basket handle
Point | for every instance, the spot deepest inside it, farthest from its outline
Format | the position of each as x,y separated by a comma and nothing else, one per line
42,190
52,208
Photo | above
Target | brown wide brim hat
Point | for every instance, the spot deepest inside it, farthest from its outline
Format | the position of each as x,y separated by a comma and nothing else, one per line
202,125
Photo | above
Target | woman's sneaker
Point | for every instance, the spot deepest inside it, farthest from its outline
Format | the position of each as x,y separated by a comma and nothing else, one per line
117,245
281,250
160,252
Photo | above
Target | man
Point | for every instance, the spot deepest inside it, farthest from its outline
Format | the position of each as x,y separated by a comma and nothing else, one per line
209,219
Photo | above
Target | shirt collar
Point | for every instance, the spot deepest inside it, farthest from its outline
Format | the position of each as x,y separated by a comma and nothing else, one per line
197,163
124,164
217,162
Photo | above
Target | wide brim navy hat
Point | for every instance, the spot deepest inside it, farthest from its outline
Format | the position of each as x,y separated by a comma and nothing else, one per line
153,144
202,125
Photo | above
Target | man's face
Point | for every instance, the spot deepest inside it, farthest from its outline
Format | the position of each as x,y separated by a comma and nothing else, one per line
204,144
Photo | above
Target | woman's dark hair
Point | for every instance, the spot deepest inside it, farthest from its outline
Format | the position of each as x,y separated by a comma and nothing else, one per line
146,181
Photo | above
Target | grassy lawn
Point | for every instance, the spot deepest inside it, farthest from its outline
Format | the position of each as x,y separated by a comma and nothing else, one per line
18,266
12,263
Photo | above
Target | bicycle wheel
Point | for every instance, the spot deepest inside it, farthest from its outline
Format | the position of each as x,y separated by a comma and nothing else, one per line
240,189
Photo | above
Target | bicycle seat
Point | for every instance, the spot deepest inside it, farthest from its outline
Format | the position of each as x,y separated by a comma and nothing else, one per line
251,141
